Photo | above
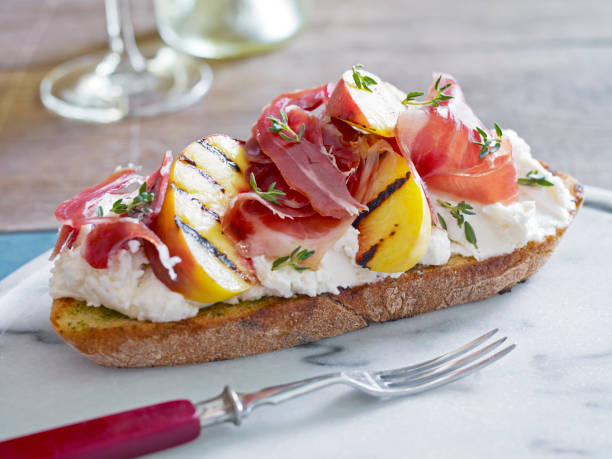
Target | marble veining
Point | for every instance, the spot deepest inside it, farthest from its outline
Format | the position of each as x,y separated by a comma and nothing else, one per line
39,336
551,397
330,356
546,446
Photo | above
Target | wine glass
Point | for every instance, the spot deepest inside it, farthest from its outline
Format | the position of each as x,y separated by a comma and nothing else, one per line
124,81
220,29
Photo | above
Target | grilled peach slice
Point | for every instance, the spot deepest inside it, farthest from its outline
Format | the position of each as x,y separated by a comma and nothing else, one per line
203,179
394,232
374,110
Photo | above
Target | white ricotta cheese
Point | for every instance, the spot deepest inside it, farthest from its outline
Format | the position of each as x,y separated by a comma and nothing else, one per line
439,249
502,228
128,285
336,270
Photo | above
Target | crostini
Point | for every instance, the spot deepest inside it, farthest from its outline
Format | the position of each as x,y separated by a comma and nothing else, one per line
350,203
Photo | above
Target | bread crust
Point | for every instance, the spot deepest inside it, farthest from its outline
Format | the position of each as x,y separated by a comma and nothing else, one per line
230,331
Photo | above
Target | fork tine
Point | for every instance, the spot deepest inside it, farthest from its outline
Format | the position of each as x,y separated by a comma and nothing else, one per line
454,375
418,376
437,361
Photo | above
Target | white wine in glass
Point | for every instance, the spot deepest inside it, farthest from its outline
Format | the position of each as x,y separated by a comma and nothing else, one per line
216,29
124,82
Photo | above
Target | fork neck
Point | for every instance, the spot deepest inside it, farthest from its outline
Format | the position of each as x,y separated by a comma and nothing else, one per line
225,407
278,394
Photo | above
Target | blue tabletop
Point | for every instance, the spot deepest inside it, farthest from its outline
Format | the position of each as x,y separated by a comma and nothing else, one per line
19,248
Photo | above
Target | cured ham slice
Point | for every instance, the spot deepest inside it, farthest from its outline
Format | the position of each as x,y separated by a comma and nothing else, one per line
306,165
266,175
341,140
75,210
262,232
253,152
157,183
282,212
366,174
314,174
65,238
440,141
109,233
81,209
107,237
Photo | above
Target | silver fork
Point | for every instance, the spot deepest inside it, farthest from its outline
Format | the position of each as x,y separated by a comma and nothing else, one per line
156,427
231,406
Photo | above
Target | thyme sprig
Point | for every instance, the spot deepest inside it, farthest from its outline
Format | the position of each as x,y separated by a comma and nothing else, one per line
534,178
278,126
293,259
271,195
362,81
439,97
470,235
489,145
458,212
140,205
442,222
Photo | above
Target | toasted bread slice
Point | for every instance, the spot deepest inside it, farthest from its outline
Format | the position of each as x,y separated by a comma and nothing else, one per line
229,331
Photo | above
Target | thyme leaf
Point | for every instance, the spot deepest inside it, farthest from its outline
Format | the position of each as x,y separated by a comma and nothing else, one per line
293,259
271,195
119,207
439,97
489,145
362,81
534,178
140,205
458,212
442,222
470,235
282,128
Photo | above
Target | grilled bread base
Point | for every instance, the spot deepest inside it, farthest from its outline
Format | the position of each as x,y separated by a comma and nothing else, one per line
226,331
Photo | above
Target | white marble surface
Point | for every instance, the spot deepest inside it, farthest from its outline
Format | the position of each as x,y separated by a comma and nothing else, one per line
551,397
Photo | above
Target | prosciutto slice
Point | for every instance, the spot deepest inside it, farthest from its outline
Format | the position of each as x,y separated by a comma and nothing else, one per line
107,237
266,175
253,152
307,166
440,143
158,184
76,210
81,209
282,212
109,233
315,175
262,232
65,238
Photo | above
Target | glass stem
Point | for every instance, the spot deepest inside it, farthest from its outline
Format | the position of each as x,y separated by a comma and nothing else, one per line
123,48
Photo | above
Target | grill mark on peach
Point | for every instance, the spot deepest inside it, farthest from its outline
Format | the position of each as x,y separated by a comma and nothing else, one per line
209,178
382,197
223,258
205,209
367,256
220,154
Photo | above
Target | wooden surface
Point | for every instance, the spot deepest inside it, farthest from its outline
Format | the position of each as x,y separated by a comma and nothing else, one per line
543,68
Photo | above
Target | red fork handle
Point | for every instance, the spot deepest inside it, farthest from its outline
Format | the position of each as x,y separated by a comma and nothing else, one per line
122,435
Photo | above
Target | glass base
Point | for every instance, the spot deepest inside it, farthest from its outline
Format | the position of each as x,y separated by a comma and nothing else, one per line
107,88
